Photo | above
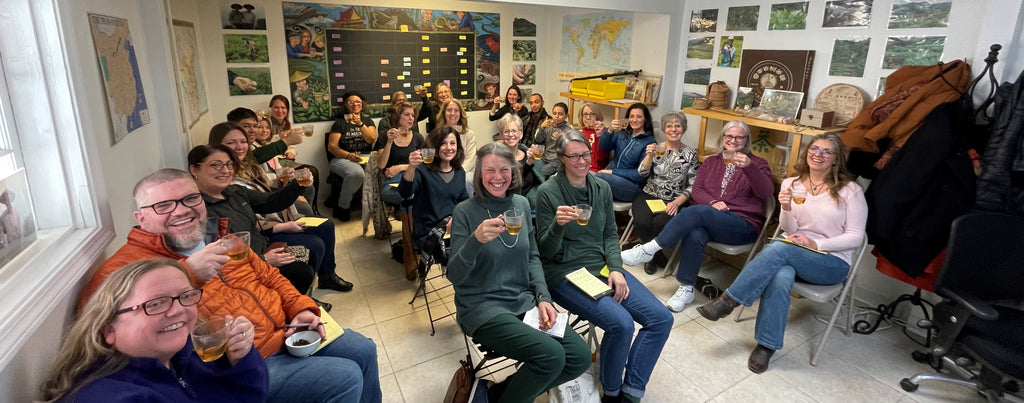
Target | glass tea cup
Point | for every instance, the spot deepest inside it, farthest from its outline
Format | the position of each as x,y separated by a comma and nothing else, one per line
210,339
304,177
538,150
660,150
428,155
513,221
285,174
583,212
798,193
237,245
307,130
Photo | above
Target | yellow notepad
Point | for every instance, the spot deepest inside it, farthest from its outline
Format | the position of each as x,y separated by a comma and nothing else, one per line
657,206
781,239
331,327
363,160
394,185
311,221
589,284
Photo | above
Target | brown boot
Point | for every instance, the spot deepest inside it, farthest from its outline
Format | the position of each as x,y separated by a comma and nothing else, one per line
718,308
758,361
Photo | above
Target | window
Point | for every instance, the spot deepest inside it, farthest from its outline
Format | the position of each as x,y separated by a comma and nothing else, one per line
41,140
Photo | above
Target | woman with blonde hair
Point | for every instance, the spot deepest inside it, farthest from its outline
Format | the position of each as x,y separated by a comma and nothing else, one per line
821,229
131,343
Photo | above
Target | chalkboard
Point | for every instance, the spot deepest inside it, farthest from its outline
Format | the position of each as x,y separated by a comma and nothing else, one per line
378,63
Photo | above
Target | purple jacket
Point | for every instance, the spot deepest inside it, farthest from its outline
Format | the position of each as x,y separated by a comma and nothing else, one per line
745,193
190,380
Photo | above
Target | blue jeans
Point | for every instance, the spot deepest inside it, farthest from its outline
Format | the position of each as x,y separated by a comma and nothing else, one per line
352,174
343,371
320,242
770,276
617,355
623,190
389,194
695,226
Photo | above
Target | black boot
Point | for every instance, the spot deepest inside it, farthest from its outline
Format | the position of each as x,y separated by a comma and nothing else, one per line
718,308
333,282
758,361
341,214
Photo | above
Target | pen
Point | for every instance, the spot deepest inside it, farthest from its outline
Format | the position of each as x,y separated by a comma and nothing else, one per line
302,325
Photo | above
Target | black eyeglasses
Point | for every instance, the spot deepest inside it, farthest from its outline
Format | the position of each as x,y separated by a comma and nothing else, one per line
168,206
160,305
578,157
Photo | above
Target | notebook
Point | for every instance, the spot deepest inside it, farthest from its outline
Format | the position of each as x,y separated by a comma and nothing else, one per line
311,221
589,284
781,239
331,327
657,206
532,318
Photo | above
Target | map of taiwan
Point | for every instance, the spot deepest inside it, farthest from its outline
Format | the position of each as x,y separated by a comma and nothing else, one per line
595,44
125,97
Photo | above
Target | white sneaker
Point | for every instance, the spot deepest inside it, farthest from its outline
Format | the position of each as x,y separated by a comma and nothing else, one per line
636,255
683,296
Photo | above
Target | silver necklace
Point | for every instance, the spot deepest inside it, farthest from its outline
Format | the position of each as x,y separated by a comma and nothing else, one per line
514,243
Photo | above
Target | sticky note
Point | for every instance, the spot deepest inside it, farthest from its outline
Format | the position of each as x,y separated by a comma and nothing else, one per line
426,48
462,60
337,48
407,59
448,82
426,61
426,85
463,71
385,85
406,64
336,36
426,72
337,62
425,37
464,82
403,28
406,73
407,85
340,87
400,77
460,53
462,49
385,61
383,74
462,37
386,97
339,74
444,49
463,93
341,100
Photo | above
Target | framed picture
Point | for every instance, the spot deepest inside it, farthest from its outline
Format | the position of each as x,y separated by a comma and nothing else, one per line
745,97
781,102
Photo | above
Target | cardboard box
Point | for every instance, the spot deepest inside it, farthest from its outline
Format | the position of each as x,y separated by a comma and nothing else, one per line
817,118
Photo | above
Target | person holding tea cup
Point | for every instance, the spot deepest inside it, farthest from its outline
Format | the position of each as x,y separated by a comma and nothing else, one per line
498,277
728,207
513,103
510,134
438,185
401,139
832,220
565,245
628,143
134,332
350,137
547,135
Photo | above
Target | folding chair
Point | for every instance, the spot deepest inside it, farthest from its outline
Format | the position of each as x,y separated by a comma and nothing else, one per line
842,293
749,248
627,207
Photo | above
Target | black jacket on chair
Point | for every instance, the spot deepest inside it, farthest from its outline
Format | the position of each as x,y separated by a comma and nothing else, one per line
1001,184
927,184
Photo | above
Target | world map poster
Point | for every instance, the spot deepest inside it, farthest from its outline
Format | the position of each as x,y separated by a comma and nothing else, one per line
595,44
120,69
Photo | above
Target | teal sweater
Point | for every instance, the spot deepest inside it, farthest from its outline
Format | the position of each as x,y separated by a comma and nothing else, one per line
492,278
566,248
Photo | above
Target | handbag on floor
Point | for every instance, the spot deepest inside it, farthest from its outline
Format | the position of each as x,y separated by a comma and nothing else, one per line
461,385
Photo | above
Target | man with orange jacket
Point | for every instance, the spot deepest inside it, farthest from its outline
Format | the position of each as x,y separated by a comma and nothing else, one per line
172,224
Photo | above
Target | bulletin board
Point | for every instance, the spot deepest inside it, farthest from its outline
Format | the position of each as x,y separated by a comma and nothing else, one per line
378,63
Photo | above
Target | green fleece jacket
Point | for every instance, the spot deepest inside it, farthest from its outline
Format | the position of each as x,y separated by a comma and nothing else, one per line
493,278
566,248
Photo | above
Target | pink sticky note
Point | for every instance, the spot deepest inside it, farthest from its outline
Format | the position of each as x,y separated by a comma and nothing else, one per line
444,49
383,74
336,36
341,100
337,48
448,82
337,62
340,87
339,74
385,85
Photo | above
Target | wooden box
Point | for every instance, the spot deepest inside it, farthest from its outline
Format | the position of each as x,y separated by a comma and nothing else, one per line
817,118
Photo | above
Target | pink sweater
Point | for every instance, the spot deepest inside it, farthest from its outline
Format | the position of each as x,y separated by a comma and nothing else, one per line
837,228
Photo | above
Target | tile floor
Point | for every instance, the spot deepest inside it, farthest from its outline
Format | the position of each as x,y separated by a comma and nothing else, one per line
703,361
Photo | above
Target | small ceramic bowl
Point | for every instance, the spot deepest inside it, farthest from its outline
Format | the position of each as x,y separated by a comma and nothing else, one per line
310,342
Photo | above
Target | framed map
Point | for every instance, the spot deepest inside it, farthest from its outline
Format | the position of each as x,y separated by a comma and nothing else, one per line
191,92
595,44
120,69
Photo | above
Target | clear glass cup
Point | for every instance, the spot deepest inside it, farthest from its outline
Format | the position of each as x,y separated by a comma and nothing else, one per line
798,193
583,212
513,221
307,130
304,177
210,339
660,150
285,174
237,245
428,155
538,150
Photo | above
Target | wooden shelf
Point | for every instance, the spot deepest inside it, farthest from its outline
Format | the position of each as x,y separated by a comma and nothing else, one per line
573,98
727,115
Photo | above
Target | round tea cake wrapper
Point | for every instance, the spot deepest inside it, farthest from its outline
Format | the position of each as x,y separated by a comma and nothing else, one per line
844,99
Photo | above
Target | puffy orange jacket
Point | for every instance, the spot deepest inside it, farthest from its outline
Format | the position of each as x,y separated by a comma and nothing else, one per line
249,287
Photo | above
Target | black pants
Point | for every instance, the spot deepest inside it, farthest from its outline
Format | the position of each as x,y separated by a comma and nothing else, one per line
648,225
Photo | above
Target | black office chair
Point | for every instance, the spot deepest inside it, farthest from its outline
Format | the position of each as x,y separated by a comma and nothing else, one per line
980,322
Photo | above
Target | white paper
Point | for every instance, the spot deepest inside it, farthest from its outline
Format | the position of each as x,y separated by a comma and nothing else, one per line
532,318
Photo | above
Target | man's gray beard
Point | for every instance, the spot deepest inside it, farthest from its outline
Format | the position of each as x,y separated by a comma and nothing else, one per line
189,243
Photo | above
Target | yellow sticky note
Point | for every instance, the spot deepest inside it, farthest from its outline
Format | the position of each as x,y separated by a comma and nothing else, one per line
462,37
425,37
426,48
426,61
426,84
462,49
463,93
464,82
404,28
462,61
400,77
657,206
311,221
605,272
463,71
426,72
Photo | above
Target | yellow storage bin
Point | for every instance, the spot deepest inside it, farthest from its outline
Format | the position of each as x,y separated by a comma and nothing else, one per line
606,89
579,87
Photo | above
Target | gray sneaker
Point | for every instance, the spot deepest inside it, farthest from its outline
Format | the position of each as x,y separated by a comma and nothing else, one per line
635,255
683,296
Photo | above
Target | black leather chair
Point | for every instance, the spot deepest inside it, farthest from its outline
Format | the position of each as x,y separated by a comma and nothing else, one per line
980,322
